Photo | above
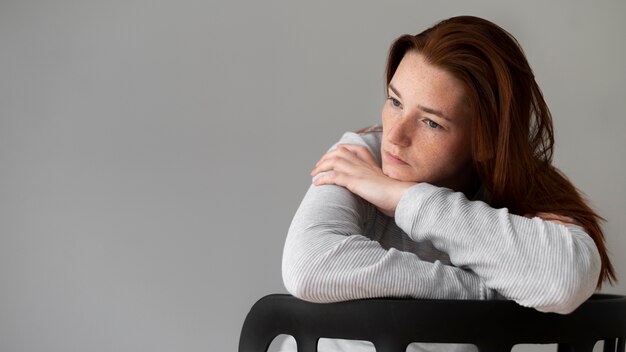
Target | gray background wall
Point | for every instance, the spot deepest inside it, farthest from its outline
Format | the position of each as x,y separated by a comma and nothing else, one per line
153,152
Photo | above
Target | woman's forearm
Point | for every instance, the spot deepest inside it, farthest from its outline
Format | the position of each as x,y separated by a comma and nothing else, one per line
326,258
537,263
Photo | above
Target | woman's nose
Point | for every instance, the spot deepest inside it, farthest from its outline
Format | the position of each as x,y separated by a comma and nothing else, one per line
399,133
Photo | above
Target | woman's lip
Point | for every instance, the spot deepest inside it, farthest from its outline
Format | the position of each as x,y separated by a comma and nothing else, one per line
394,159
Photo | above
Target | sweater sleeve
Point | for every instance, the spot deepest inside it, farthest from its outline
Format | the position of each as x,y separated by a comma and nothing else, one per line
537,263
327,258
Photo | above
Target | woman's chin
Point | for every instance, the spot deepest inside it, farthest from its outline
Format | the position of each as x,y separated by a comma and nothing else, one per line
396,174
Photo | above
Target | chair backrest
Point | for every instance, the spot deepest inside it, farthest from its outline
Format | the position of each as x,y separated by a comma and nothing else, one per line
392,324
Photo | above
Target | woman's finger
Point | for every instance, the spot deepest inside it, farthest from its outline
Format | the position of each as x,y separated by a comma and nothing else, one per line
331,178
555,218
331,162
360,151
338,157
337,151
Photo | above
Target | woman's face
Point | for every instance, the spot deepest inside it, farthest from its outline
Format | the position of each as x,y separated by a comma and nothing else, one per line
426,133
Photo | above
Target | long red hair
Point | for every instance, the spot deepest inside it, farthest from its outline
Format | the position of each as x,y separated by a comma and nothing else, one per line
512,137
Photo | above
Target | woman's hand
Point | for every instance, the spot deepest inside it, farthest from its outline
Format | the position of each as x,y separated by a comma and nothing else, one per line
354,167
555,218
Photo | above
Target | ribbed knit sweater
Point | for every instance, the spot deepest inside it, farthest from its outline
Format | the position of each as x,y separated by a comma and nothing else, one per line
439,245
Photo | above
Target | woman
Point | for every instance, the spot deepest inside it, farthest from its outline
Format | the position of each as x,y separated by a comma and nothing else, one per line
455,196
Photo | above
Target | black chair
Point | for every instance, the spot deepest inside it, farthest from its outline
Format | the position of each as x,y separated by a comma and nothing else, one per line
392,324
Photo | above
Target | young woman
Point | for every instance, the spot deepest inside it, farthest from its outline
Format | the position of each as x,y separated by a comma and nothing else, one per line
454,196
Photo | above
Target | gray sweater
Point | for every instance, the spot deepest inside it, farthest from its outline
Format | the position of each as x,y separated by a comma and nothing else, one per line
439,245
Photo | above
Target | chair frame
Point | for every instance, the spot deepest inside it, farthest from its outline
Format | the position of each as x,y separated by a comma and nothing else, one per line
391,324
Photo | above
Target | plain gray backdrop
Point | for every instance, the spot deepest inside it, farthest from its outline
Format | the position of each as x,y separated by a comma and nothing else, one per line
152,153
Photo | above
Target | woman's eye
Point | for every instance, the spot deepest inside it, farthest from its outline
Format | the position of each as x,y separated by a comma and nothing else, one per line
432,124
395,102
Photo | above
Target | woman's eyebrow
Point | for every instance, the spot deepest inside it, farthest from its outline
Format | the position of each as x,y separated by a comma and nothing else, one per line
393,89
434,112
421,107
